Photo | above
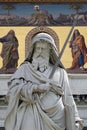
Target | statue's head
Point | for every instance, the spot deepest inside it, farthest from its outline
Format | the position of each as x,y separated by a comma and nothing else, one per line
43,50
43,40
44,37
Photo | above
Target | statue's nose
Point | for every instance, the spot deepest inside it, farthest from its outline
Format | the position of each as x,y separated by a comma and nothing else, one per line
40,50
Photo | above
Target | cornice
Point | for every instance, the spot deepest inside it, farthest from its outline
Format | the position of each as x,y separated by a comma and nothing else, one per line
45,1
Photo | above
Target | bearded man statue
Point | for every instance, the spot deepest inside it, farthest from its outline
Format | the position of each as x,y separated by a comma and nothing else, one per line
35,101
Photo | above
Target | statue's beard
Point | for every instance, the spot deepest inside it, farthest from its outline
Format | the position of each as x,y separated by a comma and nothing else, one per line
40,63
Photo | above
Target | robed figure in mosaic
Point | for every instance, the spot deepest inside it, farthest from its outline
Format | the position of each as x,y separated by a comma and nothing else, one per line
9,52
78,50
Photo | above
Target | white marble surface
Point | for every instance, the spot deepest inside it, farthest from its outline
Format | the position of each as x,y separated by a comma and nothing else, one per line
78,84
83,113
2,115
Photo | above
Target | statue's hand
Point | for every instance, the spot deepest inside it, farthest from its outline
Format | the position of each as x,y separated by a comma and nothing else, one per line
56,87
53,83
44,87
79,125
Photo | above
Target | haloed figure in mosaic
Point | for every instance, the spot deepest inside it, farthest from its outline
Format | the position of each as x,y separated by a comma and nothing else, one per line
35,101
78,50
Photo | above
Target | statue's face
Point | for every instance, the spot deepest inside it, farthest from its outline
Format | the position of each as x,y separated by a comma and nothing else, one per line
41,56
41,49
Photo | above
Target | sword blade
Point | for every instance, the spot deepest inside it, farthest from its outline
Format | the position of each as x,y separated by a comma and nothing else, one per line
61,53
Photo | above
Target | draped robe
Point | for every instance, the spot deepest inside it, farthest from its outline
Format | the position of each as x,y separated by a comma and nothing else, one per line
30,110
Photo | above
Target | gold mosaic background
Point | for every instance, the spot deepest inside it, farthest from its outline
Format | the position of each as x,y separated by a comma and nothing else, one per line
61,31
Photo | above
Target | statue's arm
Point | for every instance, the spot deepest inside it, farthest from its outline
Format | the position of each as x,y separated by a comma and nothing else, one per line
68,99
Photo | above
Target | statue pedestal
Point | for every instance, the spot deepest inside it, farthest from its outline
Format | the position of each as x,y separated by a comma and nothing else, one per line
78,84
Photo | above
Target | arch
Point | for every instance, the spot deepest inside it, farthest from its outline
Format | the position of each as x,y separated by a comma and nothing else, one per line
37,30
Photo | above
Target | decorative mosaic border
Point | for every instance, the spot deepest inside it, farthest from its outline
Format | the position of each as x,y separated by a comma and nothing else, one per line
45,1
